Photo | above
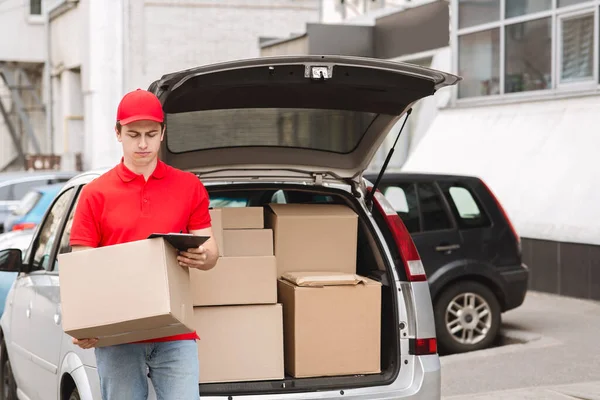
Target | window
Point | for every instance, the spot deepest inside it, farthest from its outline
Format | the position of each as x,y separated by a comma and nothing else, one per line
577,48
275,127
435,217
479,63
22,188
531,45
566,3
516,8
5,193
65,246
476,12
27,203
528,56
35,7
465,207
47,234
404,200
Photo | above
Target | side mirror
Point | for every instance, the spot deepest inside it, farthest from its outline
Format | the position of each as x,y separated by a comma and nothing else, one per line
11,260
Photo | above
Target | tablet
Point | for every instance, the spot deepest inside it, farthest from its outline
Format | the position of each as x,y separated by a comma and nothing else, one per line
181,241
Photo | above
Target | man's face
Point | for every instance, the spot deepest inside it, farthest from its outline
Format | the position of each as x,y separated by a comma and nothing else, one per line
141,141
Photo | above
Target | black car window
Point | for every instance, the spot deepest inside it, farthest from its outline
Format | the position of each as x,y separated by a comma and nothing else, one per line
435,217
48,232
403,197
465,206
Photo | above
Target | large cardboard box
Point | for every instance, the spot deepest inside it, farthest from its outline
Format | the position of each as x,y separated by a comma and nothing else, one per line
247,242
313,237
125,293
235,281
243,217
240,343
332,324
216,217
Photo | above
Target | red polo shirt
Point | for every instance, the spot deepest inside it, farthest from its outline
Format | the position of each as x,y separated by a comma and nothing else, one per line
120,207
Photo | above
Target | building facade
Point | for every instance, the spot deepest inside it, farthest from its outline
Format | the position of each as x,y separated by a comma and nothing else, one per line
23,126
382,29
524,119
97,50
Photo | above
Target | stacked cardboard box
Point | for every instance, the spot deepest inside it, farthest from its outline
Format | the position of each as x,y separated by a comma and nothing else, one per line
332,317
235,304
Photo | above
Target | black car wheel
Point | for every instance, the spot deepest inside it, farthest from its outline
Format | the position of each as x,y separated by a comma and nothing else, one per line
467,317
74,395
8,387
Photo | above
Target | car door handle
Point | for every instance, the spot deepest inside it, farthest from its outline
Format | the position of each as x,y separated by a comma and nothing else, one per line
447,247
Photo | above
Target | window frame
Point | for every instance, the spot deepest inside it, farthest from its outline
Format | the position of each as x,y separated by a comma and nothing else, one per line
579,84
445,187
564,89
73,193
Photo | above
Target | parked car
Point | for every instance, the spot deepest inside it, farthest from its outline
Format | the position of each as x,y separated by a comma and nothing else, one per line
30,210
14,185
470,251
12,240
286,129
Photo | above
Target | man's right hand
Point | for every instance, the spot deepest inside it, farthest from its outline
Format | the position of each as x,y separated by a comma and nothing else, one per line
85,343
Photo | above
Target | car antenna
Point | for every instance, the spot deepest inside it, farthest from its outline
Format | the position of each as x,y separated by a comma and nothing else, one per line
369,196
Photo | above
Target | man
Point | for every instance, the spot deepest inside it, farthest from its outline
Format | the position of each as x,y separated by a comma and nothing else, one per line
140,196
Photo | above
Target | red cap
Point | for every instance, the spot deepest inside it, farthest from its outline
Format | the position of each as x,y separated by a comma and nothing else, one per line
139,105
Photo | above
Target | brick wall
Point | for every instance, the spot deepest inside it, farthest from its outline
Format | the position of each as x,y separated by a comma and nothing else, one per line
166,36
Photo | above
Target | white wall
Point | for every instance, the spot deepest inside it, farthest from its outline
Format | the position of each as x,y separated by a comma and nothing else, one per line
538,157
23,36
102,82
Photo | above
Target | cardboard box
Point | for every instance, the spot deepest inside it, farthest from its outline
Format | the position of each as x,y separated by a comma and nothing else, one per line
247,242
240,343
216,216
236,280
243,217
331,324
125,293
313,237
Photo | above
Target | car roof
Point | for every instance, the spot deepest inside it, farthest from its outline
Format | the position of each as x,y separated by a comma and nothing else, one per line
419,176
19,176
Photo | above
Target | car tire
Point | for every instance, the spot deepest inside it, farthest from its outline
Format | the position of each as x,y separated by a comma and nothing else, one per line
74,395
467,317
8,386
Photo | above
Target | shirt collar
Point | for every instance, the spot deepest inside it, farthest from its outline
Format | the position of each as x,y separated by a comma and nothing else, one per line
128,175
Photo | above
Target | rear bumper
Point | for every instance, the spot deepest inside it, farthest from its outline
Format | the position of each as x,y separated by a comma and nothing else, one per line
516,282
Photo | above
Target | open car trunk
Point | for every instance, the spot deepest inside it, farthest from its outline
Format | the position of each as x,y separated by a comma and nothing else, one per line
370,262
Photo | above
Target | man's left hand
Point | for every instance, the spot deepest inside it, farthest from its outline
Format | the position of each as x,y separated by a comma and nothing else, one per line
193,258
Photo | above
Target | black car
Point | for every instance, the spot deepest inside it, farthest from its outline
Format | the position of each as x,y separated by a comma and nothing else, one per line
470,251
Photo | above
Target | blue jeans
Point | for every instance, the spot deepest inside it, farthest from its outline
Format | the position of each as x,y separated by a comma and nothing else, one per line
173,369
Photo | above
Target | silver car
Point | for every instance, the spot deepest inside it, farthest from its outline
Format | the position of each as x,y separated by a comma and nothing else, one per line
269,130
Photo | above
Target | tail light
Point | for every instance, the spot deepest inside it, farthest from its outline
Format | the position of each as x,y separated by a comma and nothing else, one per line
23,226
422,347
505,215
410,256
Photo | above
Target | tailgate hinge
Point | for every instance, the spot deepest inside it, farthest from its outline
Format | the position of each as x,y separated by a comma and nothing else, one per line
318,178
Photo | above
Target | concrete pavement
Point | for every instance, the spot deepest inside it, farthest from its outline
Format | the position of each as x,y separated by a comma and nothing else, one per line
561,356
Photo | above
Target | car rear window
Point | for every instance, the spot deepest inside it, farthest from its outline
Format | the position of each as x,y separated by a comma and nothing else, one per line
27,203
336,131
465,206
